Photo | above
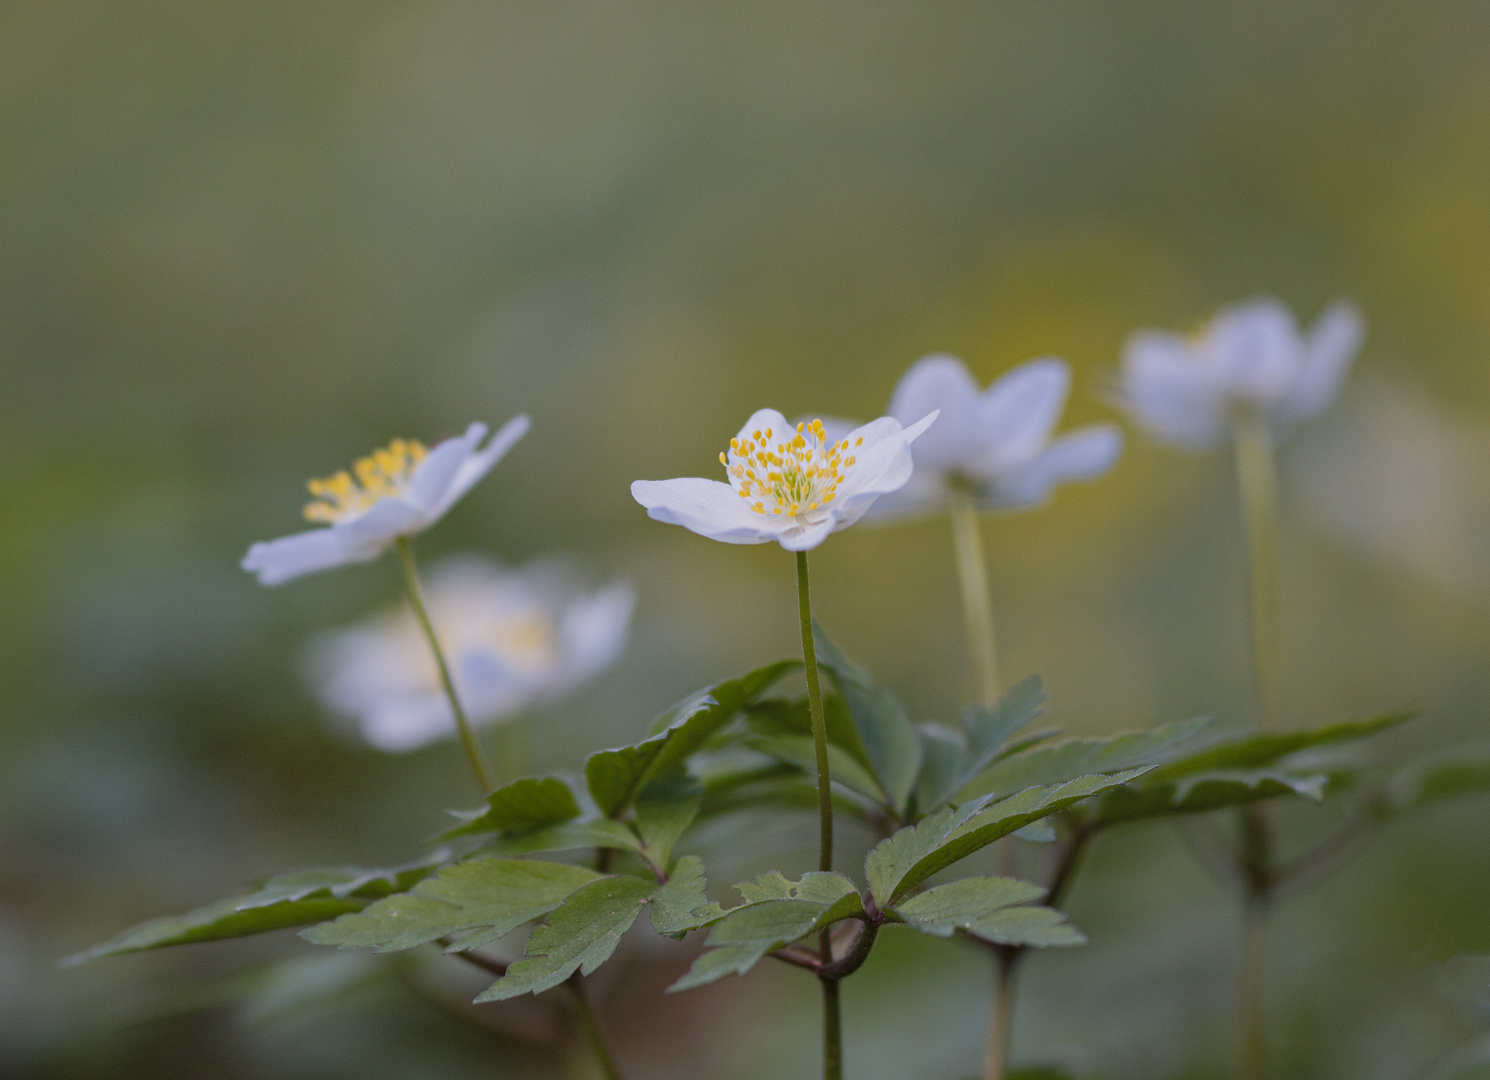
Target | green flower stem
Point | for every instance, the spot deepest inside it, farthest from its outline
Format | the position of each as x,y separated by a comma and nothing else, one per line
832,1027
416,601
1257,481
967,538
591,1026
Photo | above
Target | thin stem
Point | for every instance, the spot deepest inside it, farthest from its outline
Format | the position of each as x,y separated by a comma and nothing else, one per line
1001,1019
832,1027
416,601
1256,478
591,1027
819,725
967,539
832,1031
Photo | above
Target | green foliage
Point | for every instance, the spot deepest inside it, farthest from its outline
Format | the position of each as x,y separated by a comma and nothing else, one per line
889,740
530,803
775,913
1066,760
913,854
951,759
295,899
799,752
991,909
1448,775
616,777
583,931
1266,748
473,903
793,716
568,836
664,810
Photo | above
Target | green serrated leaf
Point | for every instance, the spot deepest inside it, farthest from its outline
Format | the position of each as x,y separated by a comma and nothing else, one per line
1053,764
530,803
616,777
664,810
776,912
989,908
298,898
580,935
913,854
682,904
950,759
889,740
793,716
568,836
1262,750
474,902
1200,793
943,754
798,751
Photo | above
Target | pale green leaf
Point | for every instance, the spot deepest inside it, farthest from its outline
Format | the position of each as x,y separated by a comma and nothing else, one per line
798,751
475,902
530,803
580,935
1451,774
989,908
888,737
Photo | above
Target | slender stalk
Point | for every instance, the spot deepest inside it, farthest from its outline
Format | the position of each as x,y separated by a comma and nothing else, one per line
967,539
416,601
591,1027
1001,1022
832,1026
1256,479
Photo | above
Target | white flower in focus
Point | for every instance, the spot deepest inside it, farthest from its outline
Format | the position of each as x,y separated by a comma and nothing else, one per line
792,485
514,639
996,443
1187,391
398,491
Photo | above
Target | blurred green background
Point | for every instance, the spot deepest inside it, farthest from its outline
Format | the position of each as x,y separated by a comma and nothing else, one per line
243,244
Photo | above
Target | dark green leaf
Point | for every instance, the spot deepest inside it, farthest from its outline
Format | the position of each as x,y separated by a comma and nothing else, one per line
294,899
1259,751
682,905
664,810
950,760
615,777
1203,792
793,716
914,853
988,908
1053,764
580,935
888,737
776,912
530,803
476,902
797,750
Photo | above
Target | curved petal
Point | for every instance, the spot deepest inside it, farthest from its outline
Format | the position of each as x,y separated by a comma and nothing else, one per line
398,725
385,521
1331,345
1256,350
939,383
804,536
473,468
274,562
1170,393
707,507
1017,414
925,493
1082,455
433,477
884,465
764,420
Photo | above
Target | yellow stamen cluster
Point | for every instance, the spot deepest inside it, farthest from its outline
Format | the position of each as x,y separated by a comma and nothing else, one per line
378,476
794,473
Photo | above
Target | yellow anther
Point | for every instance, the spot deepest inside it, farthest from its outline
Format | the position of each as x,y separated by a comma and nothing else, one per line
382,474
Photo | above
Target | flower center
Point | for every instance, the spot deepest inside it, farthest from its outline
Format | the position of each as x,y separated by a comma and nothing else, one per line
794,476
380,475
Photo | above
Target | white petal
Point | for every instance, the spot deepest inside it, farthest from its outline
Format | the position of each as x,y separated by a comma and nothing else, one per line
764,420
1017,414
1171,393
594,633
924,494
805,537
942,383
707,507
1331,346
1082,455
479,464
883,465
401,724
1256,350
433,476
383,523
277,561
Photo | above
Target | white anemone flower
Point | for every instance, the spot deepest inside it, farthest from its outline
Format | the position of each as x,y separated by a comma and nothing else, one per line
994,445
396,492
791,485
514,639
1252,358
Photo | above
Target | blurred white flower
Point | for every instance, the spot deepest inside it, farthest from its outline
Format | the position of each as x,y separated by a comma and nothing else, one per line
995,444
514,639
397,491
790,485
1187,391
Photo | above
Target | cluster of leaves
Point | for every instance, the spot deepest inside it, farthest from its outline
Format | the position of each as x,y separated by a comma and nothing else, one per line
936,793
